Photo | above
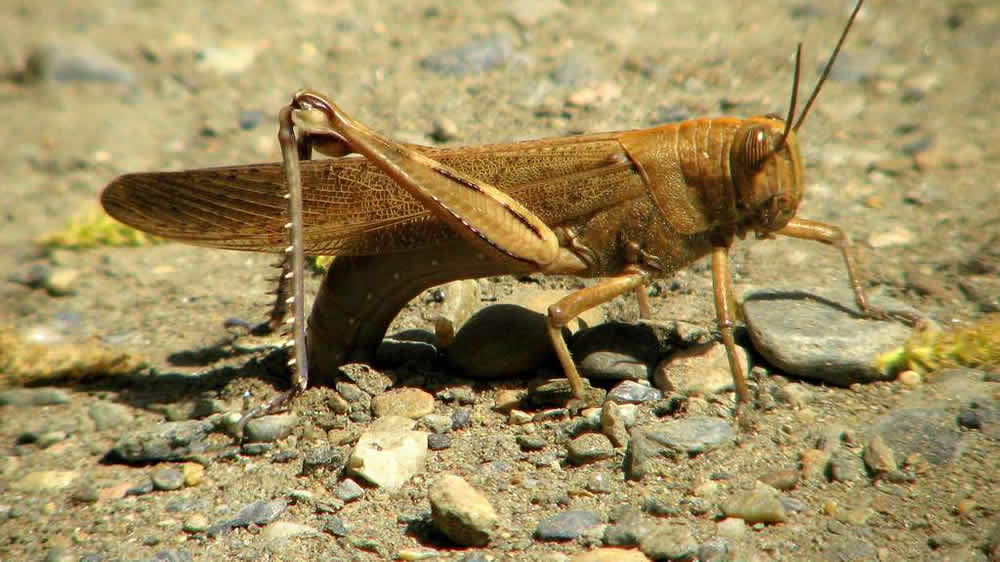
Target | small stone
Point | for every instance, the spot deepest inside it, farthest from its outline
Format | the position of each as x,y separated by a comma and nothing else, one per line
75,62
389,452
461,298
257,513
438,441
909,378
781,479
196,523
50,438
193,473
502,340
715,549
461,512
461,418
436,423
692,435
613,424
45,481
588,448
474,57
322,457
794,394
507,400
446,130
820,334
167,479
283,530
599,483
348,490
269,429
670,541
616,351
532,442
631,392
227,60
879,457
62,281
897,236
813,463
844,467
760,505
33,397
336,527
701,370
732,528
970,418
518,417
410,403
566,526
610,555
107,415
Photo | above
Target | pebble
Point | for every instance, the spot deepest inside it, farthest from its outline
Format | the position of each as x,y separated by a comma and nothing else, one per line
794,394
389,452
844,467
502,340
335,526
170,441
348,490
269,429
896,236
167,479
628,529
283,530
398,349
610,555
715,549
760,505
909,378
566,525
461,298
599,482
682,437
669,541
809,333
616,351
436,423
507,400
61,281
50,438
438,441
692,435
227,60
257,513
531,442
66,62
45,481
196,523
781,479
588,448
461,512
323,457
33,397
410,403
631,392
613,424
108,415
461,418
879,457
732,528
474,57
701,370
813,463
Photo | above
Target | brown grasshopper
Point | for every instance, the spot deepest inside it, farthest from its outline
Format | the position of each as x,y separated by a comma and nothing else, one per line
625,206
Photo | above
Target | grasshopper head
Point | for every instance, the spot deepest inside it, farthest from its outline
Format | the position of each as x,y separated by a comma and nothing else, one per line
766,168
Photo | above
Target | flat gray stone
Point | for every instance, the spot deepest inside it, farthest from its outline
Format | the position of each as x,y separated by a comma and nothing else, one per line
566,526
820,334
171,441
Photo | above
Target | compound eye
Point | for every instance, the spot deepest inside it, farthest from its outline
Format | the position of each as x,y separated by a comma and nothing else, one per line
756,148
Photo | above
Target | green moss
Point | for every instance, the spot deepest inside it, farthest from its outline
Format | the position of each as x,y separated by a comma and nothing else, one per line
94,228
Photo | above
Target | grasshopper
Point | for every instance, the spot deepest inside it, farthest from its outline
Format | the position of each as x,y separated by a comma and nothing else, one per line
626,207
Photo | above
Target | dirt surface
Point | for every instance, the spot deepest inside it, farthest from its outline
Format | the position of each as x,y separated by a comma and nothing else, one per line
901,152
